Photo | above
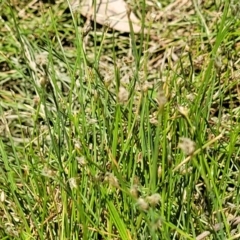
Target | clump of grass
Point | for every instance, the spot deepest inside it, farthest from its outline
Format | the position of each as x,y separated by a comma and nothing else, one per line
134,142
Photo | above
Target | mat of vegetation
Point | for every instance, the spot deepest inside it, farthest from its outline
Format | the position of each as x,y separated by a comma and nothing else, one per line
116,135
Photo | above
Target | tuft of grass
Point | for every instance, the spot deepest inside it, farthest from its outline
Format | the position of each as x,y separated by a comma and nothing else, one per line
115,136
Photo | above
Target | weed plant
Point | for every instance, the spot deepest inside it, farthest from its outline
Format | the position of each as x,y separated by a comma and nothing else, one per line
106,135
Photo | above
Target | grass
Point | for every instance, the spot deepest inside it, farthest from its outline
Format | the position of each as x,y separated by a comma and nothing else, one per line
120,136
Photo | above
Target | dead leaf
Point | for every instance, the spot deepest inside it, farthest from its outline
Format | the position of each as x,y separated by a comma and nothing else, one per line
108,12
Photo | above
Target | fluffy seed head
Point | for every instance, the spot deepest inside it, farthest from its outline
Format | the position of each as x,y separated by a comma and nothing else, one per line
73,183
142,204
187,145
48,172
157,225
81,161
123,95
108,81
112,180
134,191
154,199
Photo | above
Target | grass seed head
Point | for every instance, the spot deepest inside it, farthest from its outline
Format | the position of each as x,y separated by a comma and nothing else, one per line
134,191
73,183
157,224
154,199
43,81
112,180
77,145
159,171
46,171
123,95
81,161
108,81
142,204
187,145
36,100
